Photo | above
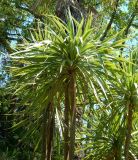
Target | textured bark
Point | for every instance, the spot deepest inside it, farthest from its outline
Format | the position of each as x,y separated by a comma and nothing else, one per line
66,127
73,116
128,131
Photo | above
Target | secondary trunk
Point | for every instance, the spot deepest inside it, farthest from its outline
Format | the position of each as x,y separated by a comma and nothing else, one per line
128,131
50,136
44,130
50,129
72,116
66,126
47,132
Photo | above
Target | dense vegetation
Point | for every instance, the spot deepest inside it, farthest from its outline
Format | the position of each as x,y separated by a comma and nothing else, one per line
68,80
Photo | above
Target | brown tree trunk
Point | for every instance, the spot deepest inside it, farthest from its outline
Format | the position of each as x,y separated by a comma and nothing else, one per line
47,132
128,131
44,130
50,135
72,116
66,127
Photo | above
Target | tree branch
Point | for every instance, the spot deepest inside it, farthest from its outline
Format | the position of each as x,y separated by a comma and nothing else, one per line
110,22
126,33
128,27
130,23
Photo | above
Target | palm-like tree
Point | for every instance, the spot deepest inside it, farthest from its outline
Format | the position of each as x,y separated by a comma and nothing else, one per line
114,123
130,81
64,62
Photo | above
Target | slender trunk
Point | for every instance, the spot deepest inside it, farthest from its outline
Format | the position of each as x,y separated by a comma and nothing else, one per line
47,132
117,155
129,129
66,127
50,136
109,157
44,130
73,116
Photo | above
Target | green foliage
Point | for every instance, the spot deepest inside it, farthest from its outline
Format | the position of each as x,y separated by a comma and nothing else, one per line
41,69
